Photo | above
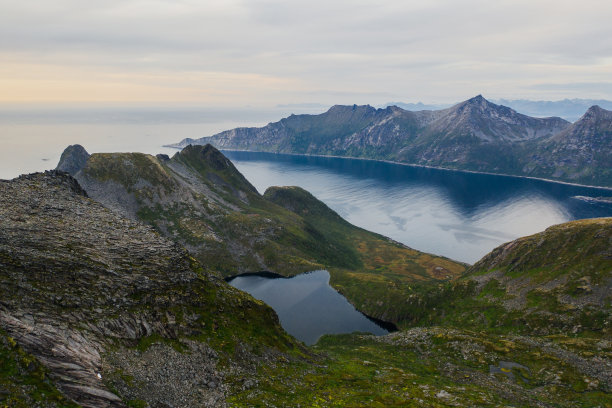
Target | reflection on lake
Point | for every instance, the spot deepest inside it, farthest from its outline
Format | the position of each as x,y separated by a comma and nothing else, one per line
456,214
306,305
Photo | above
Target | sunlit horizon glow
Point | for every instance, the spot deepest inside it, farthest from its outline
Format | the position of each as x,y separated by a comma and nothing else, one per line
269,52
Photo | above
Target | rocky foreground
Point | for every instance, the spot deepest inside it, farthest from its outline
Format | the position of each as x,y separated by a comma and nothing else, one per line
113,311
100,310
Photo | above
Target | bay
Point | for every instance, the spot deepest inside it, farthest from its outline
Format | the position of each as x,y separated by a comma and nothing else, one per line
456,214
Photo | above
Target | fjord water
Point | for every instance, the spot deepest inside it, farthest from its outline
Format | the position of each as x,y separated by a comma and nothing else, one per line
306,305
456,214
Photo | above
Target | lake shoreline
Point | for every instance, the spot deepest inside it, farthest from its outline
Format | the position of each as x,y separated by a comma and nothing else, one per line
385,325
415,165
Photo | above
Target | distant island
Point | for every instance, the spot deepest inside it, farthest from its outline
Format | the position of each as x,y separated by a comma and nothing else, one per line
474,135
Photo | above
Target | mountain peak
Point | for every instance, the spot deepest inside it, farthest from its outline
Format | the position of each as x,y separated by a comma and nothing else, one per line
596,113
478,98
73,159
206,159
598,110
213,157
478,101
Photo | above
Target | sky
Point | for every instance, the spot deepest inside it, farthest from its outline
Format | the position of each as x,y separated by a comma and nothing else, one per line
267,52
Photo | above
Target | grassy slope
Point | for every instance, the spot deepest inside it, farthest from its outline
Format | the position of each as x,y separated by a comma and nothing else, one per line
437,367
449,364
373,272
557,281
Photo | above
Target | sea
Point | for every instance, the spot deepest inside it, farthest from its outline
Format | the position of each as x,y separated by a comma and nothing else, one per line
455,214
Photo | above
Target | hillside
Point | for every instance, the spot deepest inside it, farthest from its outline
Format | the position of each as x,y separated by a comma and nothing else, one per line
556,282
474,135
529,325
105,311
101,310
200,200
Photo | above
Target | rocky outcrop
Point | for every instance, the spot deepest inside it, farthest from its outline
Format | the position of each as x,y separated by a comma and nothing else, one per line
97,298
473,135
73,159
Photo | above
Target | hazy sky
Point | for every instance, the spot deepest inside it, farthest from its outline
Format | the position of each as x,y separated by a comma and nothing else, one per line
268,52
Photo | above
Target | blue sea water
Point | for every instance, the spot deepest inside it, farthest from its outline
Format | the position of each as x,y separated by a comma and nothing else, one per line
456,214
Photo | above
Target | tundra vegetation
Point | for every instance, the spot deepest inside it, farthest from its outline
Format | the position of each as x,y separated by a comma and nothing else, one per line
112,294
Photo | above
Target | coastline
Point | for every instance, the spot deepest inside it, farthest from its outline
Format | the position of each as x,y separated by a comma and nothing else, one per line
414,165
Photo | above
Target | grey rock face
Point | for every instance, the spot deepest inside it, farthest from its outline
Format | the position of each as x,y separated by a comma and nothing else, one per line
581,153
80,286
73,159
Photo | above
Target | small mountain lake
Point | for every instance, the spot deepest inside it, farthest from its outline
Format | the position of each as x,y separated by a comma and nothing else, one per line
307,306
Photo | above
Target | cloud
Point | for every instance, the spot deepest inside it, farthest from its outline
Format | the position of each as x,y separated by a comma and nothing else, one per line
439,50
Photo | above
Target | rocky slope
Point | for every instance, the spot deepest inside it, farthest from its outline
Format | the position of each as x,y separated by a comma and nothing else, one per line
474,135
557,281
581,153
200,200
116,315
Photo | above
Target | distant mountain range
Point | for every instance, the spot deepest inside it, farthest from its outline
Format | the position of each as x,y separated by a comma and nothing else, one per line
568,109
474,135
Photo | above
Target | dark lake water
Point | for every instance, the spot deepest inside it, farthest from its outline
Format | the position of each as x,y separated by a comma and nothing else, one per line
456,214
307,306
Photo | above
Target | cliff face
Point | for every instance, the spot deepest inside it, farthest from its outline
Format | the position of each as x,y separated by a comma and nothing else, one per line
98,299
473,135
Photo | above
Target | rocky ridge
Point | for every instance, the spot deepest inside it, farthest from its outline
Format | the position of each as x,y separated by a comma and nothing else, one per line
200,200
95,297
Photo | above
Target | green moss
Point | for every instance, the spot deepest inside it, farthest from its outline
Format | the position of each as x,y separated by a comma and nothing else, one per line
136,403
129,169
433,367
24,382
145,342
